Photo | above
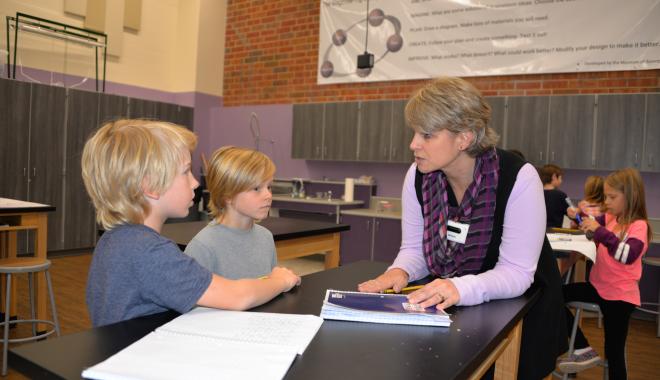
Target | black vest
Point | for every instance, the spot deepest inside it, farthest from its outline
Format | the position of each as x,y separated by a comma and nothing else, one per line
544,327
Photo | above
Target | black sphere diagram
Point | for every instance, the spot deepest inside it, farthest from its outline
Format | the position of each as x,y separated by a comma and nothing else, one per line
375,18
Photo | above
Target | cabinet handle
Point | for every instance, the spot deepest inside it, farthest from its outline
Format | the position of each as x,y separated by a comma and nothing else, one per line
636,158
368,224
34,170
541,156
24,172
384,151
393,151
377,225
317,151
553,156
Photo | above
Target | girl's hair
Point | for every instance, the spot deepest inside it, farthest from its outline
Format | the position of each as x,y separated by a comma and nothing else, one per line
593,189
455,105
629,182
233,170
126,157
547,171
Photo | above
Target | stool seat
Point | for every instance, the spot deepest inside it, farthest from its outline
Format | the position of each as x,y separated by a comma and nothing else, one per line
23,265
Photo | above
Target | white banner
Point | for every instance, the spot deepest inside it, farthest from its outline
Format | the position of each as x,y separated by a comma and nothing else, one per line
415,39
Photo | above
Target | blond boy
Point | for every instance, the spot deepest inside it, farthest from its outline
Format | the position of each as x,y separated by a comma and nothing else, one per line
138,174
232,245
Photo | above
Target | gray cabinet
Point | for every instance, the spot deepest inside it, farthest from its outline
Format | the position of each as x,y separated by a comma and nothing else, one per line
14,135
497,116
146,109
340,128
619,131
370,238
401,134
571,128
651,161
307,134
375,131
527,127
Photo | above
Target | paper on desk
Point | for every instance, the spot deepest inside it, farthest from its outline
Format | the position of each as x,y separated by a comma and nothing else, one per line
576,243
210,343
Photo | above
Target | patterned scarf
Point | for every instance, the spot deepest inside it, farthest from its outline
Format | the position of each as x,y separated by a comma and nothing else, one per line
445,258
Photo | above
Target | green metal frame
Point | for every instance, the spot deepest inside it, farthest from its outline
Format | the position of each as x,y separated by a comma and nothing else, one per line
62,31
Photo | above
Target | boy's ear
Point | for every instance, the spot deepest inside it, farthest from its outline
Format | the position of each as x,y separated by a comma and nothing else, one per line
146,190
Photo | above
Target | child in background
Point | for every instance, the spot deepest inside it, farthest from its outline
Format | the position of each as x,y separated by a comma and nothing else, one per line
232,245
592,203
622,235
137,173
555,199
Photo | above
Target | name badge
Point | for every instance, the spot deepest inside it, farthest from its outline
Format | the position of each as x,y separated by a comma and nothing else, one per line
457,232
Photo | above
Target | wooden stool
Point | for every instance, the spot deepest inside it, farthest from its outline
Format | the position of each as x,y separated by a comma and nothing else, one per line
29,266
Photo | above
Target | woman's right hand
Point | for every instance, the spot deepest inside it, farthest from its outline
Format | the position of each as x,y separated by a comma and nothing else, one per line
395,279
288,278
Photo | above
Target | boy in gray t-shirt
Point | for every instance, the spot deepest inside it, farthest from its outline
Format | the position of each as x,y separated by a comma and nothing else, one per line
137,173
232,245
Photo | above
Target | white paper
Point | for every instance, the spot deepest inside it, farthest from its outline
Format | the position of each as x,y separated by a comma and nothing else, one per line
211,343
573,243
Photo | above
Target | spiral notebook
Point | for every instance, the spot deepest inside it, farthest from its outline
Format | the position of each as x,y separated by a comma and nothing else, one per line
211,343
380,308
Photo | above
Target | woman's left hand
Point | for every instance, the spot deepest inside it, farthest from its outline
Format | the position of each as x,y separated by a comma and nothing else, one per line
441,293
589,224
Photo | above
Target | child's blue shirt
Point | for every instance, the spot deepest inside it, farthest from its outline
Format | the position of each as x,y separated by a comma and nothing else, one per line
135,271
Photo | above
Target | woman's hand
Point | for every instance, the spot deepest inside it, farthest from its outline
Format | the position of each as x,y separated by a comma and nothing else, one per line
441,293
395,279
571,212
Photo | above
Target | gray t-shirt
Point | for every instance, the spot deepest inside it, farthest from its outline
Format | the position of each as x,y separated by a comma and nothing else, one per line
234,253
135,272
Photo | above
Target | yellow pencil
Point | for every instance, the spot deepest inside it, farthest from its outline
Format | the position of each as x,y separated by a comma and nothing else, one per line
406,289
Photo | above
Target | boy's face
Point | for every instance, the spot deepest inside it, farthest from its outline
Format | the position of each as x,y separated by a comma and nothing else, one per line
179,197
253,203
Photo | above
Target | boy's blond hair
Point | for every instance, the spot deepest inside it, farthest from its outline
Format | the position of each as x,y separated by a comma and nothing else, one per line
126,157
233,170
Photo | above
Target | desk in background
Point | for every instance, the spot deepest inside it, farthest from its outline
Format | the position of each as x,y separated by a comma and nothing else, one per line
17,216
340,350
293,237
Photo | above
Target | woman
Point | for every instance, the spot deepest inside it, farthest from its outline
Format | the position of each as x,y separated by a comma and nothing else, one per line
474,217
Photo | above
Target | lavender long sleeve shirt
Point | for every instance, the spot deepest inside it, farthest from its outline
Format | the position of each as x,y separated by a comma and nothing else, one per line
522,240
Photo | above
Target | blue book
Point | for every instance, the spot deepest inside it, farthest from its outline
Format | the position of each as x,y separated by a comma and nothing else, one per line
379,308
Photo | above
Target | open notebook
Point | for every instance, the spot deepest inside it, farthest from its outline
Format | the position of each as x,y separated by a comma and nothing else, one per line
211,343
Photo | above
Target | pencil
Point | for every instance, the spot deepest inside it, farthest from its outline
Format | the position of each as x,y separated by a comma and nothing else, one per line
406,289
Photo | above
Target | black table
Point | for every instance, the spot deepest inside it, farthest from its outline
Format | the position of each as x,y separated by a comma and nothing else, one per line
340,350
293,237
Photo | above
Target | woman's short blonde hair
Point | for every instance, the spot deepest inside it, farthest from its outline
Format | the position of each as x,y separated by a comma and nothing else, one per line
233,170
455,105
124,158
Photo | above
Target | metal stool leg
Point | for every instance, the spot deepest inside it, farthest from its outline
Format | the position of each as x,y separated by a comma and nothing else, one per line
31,295
52,303
571,344
5,341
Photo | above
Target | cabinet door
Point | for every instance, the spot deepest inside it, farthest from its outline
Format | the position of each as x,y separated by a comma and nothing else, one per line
527,127
186,117
307,136
498,112
47,142
14,135
401,135
375,123
571,131
387,239
355,243
112,107
82,121
652,140
340,131
619,131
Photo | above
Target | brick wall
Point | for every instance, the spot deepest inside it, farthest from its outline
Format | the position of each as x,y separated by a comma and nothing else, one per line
271,58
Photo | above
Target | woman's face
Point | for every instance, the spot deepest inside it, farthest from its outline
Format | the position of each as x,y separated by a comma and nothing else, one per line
437,150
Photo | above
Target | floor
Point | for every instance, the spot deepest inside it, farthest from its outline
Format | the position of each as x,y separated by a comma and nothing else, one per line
70,274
